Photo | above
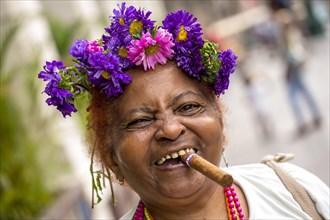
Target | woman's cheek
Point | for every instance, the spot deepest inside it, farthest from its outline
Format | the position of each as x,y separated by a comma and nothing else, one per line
132,148
209,128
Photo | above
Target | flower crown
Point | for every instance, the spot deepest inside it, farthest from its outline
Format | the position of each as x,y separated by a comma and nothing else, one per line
133,40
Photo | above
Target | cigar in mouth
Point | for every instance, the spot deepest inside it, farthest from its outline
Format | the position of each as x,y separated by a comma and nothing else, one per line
207,169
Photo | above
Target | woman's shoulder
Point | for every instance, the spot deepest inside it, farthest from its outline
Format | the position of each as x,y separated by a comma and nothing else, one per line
259,182
260,170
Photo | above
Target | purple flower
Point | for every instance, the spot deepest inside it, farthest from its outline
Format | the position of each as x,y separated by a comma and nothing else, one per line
79,50
51,72
118,46
59,97
149,51
127,24
228,63
187,33
107,74
121,19
148,24
129,21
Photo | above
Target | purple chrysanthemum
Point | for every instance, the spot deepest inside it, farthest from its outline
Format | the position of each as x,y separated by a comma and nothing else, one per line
118,46
107,74
149,51
121,19
51,72
187,33
127,24
79,50
59,97
148,24
129,21
228,63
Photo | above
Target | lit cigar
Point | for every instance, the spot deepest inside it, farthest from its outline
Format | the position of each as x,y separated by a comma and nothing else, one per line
208,169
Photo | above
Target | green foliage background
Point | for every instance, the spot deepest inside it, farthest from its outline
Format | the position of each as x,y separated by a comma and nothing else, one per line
31,158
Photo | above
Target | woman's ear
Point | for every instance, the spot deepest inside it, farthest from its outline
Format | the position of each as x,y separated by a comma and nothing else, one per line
113,165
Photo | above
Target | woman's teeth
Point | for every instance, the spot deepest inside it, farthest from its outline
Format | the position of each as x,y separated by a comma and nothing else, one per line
175,155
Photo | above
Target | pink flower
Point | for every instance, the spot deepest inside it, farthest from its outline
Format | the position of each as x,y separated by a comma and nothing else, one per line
94,46
149,51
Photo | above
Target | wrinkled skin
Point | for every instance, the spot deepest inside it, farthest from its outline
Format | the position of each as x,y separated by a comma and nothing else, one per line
161,112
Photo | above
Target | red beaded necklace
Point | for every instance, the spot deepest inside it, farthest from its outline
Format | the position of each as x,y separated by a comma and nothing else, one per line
234,208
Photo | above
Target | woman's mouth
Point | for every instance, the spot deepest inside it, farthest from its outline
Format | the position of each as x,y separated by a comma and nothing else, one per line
174,157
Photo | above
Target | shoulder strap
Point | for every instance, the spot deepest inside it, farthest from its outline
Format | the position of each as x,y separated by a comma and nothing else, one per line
295,188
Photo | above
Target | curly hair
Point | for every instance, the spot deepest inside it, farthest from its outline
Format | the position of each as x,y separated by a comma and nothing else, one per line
100,119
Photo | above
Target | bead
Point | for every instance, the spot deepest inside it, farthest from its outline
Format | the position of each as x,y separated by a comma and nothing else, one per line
139,214
235,212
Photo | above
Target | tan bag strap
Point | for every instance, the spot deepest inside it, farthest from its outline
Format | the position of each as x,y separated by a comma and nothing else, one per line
295,188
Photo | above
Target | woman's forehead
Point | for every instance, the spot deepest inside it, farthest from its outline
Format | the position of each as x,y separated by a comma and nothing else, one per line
166,81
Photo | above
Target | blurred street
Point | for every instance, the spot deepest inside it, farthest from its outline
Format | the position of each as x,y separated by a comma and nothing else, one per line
245,144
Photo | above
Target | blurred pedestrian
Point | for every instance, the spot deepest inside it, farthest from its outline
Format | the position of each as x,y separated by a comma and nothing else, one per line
295,56
256,94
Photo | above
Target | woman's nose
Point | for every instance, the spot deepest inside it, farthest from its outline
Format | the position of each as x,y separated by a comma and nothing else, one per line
169,129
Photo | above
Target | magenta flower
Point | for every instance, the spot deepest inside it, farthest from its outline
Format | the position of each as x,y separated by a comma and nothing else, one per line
93,46
149,51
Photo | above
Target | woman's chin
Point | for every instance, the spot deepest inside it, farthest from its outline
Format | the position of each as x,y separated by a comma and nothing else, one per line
181,187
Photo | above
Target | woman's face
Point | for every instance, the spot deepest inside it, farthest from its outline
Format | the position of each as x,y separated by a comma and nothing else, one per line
160,113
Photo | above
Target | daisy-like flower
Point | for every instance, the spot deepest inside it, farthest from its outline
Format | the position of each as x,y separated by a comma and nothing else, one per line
187,33
141,23
149,51
106,74
121,19
129,21
118,47
59,97
228,63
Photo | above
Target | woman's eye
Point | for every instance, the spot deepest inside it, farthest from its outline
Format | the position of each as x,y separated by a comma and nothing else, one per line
190,109
139,122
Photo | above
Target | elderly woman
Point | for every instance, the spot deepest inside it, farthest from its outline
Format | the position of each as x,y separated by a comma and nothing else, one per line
156,121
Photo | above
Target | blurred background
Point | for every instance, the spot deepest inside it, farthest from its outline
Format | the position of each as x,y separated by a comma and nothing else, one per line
44,159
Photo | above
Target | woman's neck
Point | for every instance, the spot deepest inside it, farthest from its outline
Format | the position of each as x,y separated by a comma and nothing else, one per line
210,205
